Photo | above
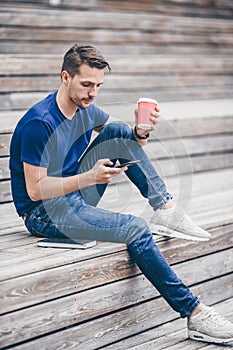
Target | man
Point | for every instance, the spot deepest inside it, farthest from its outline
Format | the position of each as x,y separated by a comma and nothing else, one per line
58,178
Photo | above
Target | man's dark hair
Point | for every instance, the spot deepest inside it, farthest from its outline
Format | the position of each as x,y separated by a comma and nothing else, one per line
83,54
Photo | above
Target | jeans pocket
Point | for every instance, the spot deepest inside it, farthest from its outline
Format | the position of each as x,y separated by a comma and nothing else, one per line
41,226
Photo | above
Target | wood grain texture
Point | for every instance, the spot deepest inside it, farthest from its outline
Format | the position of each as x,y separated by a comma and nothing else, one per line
95,302
126,322
179,50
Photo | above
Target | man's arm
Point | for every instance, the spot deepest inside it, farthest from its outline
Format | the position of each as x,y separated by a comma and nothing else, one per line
154,118
41,186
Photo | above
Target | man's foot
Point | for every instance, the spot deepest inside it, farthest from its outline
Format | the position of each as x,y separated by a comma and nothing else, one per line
210,326
177,224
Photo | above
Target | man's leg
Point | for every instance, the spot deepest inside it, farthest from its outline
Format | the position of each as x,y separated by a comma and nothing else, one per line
116,141
72,217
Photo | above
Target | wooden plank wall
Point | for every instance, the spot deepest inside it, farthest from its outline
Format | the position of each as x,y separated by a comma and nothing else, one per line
175,148
169,50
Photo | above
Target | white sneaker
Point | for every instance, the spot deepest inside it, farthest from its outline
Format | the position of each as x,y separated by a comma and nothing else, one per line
177,224
210,326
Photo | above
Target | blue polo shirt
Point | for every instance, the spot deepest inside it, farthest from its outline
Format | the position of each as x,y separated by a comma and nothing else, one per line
46,138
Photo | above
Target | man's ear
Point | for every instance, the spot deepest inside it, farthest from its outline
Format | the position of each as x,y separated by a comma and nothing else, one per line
65,77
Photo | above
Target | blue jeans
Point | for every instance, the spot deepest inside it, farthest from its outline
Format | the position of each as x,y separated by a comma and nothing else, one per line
76,215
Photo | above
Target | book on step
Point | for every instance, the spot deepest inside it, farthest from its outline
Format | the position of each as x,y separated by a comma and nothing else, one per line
66,243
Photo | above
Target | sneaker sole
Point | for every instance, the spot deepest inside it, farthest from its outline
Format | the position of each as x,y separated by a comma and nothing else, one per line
166,231
194,335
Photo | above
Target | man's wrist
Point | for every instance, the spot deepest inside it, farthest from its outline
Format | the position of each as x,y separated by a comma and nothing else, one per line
138,136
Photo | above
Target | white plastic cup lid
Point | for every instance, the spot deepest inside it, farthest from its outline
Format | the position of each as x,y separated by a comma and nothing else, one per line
147,100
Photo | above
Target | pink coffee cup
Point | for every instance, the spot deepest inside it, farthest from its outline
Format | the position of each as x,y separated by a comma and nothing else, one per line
145,107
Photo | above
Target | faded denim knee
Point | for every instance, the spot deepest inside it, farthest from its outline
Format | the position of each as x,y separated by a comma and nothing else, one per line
118,129
137,228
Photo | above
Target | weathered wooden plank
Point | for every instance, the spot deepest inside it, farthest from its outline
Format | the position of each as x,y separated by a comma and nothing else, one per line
200,8
22,101
208,203
131,35
156,81
5,144
180,166
21,64
179,128
168,334
218,9
167,149
31,252
189,146
122,82
165,167
4,168
203,203
9,218
187,165
178,118
15,233
125,323
89,304
202,185
7,211
12,46
5,192
24,291
41,259
42,18
19,100
9,119
162,95
41,83
19,238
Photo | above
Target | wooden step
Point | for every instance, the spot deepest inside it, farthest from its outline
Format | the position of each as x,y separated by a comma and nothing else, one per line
144,21
23,100
121,82
165,36
92,301
221,9
104,328
170,336
50,65
209,151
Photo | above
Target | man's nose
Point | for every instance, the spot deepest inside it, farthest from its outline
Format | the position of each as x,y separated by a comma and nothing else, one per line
94,91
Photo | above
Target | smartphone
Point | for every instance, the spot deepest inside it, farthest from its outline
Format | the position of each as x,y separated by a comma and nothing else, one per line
133,162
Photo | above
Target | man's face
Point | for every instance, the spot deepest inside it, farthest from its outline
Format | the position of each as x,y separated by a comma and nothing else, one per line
84,87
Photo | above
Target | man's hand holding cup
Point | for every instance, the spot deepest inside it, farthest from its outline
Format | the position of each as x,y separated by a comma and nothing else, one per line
146,117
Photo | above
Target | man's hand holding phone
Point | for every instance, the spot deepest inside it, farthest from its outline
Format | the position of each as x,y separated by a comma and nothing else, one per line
104,172
130,163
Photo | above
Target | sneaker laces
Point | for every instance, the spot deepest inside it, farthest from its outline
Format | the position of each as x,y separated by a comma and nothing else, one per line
187,220
184,220
216,319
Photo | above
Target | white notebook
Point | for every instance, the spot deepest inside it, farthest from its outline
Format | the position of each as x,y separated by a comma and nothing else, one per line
66,243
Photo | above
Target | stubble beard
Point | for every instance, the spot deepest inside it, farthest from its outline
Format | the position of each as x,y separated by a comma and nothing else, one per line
83,103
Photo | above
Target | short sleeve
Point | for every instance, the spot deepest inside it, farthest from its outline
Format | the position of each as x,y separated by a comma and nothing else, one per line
101,117
35,143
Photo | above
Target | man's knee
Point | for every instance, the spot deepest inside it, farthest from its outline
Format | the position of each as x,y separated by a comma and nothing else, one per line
137,228
119,129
